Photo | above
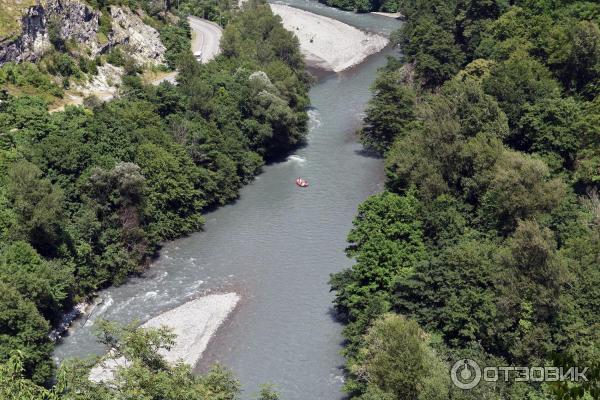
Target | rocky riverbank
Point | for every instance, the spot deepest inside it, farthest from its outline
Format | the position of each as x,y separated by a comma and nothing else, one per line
326,43
194,323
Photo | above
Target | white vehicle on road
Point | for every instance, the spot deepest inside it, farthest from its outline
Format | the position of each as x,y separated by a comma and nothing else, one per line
206,37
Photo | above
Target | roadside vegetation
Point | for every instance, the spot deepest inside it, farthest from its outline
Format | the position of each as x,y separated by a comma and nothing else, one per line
87,195
486,243
68,65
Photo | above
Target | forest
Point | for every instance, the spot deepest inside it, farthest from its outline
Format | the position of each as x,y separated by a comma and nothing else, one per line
363,6
484,245
87,195
486,242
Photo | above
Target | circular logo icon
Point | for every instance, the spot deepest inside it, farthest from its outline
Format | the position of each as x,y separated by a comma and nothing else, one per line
465,374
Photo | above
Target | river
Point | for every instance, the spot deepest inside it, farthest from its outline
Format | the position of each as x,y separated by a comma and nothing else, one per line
276,246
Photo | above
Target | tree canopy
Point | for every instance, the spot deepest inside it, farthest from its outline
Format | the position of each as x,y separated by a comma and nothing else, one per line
488,126
88,194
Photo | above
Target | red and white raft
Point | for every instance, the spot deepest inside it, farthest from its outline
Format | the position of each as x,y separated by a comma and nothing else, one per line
301,182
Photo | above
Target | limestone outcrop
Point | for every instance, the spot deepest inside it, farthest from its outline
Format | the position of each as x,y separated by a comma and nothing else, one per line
72,20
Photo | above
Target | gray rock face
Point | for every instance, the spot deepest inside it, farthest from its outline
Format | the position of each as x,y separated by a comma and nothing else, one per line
33,40
143,40
76,21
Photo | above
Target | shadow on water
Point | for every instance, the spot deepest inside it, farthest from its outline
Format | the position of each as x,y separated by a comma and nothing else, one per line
368,153
284,156
319,74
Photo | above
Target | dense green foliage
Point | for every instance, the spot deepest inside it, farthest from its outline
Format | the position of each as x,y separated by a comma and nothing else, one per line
146,375
365,5
27,74
88,194
488,235
67,62
176,39
398,362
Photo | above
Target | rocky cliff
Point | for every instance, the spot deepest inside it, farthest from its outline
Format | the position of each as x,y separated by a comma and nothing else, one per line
142,40
74,20
33,40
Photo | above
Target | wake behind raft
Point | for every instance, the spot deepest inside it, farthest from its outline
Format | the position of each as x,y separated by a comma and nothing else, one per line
301,182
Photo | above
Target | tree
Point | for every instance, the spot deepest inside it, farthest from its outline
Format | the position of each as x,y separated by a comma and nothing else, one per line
476,111
14,386
146,375
587,165
473,18
174,202
477,70
22,328
454,293
87,195
530,295
38,206
517,81
387,242
453,145
587,168
46,284
389,112
574,55
444,220
267,392
397,361
552,127
176,39
433,49
496,155
520,189
519,29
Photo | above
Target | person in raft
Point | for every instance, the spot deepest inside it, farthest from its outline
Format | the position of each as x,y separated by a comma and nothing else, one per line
301,182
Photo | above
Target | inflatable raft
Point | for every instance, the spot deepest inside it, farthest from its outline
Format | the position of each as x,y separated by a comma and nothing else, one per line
301,182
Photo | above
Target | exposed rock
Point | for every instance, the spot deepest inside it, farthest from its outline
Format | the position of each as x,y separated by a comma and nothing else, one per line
76,21
321,40
32,42
104,86
108,79
143,40
67,319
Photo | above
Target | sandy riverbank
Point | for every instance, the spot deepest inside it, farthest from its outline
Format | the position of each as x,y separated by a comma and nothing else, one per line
395,15
326,43
194,323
